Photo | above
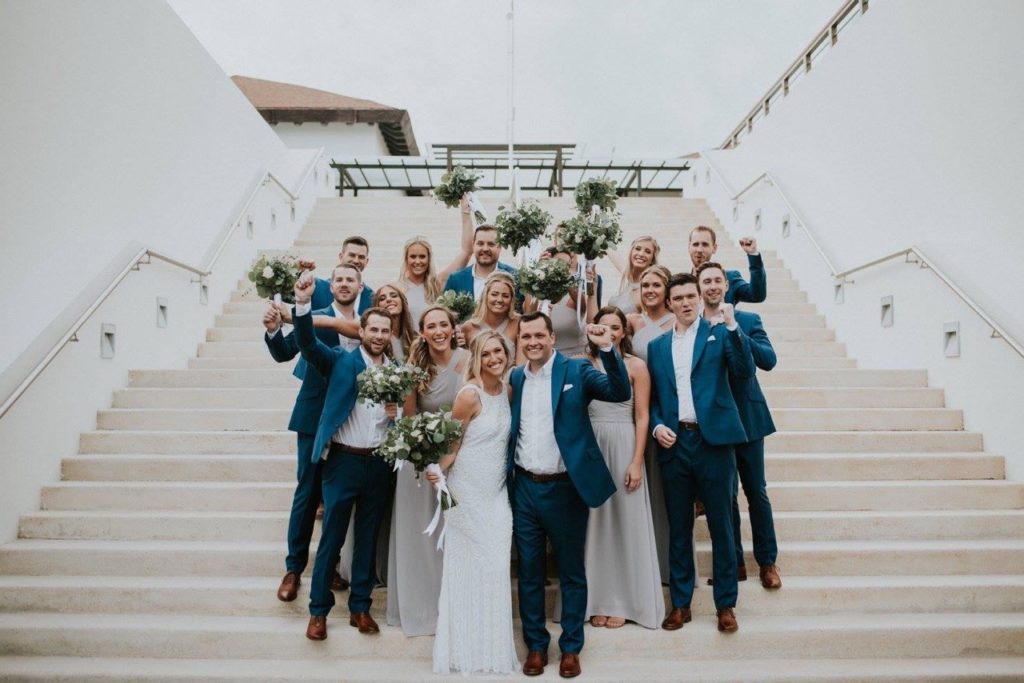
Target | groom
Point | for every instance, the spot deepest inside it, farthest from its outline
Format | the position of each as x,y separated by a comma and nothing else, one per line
556,473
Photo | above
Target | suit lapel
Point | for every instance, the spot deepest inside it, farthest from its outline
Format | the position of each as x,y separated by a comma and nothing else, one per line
665,348
558,371
703,332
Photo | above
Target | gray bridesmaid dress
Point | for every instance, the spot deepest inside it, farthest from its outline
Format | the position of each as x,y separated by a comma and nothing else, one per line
624,299
414,563
570,340
623,577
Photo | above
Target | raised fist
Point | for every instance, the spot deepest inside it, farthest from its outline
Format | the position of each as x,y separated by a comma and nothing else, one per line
599,335
728,314
748,244
305,264
272,320
304,287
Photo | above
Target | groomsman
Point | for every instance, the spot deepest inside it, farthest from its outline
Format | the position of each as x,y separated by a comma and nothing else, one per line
757,423
352,477
305,416
556,473
695,424
704,244
486,253
355,252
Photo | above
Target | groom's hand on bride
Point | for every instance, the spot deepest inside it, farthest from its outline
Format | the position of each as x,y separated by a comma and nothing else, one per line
432,477
599,335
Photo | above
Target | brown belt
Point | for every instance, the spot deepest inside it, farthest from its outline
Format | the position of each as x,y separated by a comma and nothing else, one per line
558,476
342,448
689,427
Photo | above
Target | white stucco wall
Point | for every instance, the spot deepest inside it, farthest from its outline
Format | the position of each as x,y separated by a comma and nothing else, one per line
906,133
339,140
119,132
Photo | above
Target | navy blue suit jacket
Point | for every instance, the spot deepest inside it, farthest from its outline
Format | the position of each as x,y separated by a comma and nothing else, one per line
462,280
718,355
341,368
575,382
310,400
323,298
753,292
757,419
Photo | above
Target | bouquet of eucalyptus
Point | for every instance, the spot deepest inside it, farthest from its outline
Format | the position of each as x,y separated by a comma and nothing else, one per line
519,225
388,382
422,440
462,304
547,280
275,277
599,192
591,234
456,183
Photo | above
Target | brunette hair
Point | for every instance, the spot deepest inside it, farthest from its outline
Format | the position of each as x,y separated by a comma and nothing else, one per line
627,339
714,237
420,355
537,315
357,240
708,265
406,335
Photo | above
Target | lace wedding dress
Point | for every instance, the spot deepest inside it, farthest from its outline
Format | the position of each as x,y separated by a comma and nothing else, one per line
474,623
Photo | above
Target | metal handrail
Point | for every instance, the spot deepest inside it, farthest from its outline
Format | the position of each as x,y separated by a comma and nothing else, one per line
997,329
133,263
829,32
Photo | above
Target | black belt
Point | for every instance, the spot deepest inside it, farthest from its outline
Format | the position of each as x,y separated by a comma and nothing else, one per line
558,476
689,427
342,448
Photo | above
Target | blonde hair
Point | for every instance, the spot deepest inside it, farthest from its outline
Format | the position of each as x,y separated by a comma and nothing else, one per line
406,335
627,272
663,274
476,349
420,354
495,278
431,288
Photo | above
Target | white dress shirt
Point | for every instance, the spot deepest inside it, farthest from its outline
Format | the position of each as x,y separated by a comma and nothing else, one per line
366,424
682,362
478,283
347,343
536,448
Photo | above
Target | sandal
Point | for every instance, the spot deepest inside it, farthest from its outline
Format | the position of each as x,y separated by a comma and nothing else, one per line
597,620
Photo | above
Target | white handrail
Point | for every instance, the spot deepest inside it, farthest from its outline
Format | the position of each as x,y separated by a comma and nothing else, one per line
133,264
997,329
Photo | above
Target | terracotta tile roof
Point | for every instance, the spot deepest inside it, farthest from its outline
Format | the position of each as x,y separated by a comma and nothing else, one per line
289,103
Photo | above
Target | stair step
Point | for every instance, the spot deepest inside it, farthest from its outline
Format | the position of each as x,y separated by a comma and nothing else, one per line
846,397
169,636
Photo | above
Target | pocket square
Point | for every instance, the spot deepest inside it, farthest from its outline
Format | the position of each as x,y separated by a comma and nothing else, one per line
711,338
566,388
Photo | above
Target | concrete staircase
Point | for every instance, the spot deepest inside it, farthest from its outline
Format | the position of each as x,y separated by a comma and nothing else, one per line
157,555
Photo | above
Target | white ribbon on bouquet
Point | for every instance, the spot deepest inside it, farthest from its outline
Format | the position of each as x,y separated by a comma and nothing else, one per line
474,207
441,487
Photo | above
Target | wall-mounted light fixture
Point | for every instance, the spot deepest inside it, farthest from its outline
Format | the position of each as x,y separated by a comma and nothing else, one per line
951,339
161,311
757,219
785,225
108,332
887,311
250,227
839,292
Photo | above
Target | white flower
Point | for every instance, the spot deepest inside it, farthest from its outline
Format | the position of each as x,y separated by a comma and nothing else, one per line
268,272
540,275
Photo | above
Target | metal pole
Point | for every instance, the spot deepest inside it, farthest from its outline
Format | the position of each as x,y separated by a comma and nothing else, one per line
510,17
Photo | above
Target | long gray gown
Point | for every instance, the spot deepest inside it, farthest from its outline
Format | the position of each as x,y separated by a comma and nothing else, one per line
570,340
623,577
414,563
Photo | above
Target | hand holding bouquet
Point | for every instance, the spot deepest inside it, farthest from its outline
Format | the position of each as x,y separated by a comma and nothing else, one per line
547,280
595,192
520,225
455,184
422,440
591,234
462,304
275,277
388,382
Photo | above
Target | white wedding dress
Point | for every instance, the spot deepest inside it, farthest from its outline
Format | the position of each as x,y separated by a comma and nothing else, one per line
474,622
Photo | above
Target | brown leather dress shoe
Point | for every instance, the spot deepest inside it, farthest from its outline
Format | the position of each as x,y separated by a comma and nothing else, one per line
535,663
676,618
289,588
338,584
770,578
317,629
570,665
727,620
364,622
741,575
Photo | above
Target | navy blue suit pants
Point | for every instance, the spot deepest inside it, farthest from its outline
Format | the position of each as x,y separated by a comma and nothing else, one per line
750,466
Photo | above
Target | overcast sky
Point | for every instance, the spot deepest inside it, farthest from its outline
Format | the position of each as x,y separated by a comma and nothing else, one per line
647,78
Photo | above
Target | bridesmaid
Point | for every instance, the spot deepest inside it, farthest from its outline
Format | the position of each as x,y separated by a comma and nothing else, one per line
495,312
390,298
643,253
414,565
654,320
623,578
417,278
570,338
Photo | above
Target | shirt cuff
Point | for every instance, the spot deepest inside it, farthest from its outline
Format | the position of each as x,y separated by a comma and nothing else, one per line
732,328
303,309
606,349
276,333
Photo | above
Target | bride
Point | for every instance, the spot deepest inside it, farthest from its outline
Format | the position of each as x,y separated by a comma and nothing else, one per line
474,622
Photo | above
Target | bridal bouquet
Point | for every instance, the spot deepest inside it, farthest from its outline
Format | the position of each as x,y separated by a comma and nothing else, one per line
275,277
422,440
462,304
388,382
547,280
591,234
456,183
597,192
519,225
